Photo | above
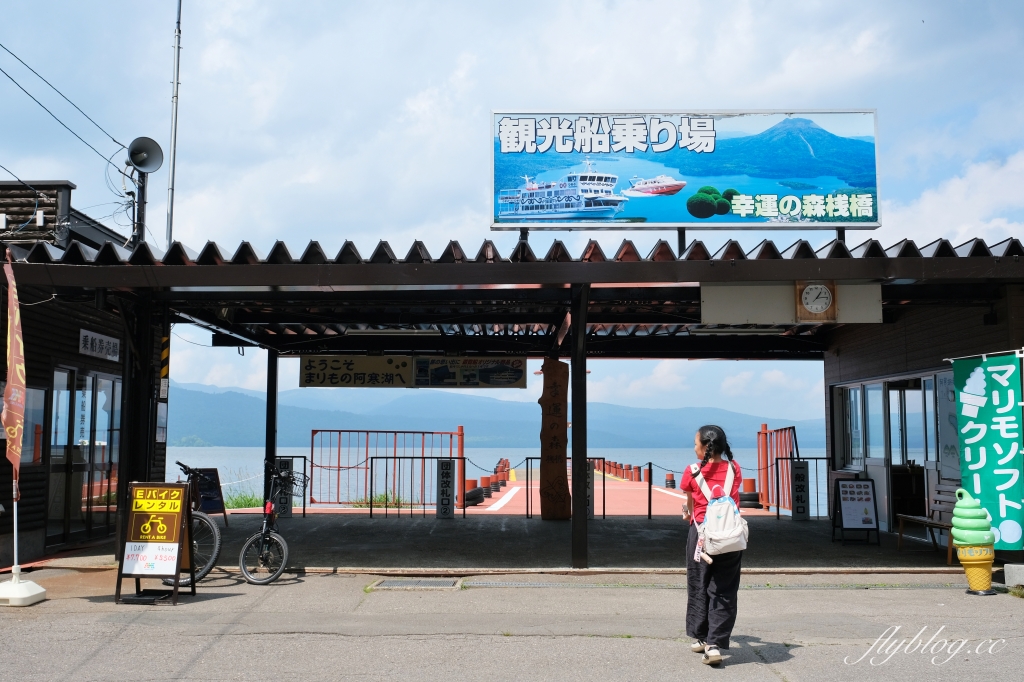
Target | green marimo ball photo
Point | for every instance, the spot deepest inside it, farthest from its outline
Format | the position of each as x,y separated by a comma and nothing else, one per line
708,202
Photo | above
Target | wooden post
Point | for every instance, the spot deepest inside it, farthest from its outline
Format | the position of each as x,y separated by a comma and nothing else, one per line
555,502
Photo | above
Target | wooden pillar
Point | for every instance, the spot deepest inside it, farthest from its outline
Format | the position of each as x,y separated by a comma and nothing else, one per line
555,502
580,300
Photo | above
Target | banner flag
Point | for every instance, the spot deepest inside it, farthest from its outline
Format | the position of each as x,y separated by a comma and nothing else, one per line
989,415
14,395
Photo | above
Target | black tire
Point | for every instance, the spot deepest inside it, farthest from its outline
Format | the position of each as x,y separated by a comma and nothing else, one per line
205,547
750,497
262,567
751,505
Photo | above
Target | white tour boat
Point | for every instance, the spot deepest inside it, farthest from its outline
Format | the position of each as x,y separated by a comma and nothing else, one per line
587,194
661,186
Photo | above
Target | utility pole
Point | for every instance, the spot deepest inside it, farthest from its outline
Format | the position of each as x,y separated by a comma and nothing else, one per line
174,128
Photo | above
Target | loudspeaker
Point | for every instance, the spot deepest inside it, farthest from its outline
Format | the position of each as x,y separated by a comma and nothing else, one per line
145,154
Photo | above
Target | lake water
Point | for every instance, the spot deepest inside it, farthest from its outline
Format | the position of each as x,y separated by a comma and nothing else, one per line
241,469
673,208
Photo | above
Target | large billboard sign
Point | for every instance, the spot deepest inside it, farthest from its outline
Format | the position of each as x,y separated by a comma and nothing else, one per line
702,170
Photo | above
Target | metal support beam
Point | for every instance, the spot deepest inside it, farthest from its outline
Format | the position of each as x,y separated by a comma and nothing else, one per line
580,300
682,240
270,454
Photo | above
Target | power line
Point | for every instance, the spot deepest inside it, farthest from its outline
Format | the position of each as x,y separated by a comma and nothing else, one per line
58,120
54,88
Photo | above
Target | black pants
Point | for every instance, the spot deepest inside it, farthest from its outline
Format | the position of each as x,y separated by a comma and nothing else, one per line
711,594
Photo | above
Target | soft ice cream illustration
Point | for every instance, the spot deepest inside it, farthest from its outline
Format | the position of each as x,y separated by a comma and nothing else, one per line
974,540
974,395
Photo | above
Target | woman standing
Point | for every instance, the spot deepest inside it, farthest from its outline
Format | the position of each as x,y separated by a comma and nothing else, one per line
711,587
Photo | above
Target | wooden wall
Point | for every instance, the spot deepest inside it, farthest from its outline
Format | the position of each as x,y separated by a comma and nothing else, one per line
920,339
50,330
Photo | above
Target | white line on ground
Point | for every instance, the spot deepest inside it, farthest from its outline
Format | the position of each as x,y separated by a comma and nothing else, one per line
503,501
662,490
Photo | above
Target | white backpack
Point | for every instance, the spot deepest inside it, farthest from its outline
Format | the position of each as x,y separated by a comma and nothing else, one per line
723,530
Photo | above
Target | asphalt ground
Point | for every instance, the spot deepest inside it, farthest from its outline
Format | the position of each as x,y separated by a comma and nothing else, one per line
510,627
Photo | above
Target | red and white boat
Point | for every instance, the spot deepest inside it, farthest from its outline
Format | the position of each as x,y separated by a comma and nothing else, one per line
661,186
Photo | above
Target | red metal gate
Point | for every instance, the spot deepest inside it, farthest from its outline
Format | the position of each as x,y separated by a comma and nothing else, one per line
775,449
341,459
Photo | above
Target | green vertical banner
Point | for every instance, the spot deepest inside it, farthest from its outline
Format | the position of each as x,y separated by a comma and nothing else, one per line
989,415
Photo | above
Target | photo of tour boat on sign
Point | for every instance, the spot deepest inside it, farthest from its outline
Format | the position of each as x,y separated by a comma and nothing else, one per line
707,170
661,186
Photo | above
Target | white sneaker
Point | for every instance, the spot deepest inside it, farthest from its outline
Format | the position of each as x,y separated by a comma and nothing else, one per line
712,656
698,646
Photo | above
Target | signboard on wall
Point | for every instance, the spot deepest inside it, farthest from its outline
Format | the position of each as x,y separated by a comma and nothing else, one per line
99,346
670,169
404,371
376,371
989,417
446,372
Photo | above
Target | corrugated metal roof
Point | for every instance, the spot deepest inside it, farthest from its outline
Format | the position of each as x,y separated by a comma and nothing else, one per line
313,254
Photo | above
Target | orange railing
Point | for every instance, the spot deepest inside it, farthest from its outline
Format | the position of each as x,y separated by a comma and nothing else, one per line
341,461
775,449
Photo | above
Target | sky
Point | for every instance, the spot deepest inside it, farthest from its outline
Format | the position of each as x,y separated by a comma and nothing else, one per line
369,121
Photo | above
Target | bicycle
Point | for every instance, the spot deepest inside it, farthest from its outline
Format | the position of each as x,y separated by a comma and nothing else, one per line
264,555
205,534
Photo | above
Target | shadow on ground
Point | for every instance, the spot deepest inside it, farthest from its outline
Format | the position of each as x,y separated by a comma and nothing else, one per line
346,540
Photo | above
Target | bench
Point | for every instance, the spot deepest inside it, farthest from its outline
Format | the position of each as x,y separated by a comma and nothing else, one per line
941,499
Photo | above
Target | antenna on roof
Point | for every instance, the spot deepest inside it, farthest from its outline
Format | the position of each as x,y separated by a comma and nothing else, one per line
174,128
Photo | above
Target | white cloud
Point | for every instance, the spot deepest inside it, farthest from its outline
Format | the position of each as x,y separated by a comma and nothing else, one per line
975,203
737,384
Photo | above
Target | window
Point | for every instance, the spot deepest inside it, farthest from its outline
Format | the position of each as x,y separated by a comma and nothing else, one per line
931,443
896,429
35,411
914,435
854,455
873,398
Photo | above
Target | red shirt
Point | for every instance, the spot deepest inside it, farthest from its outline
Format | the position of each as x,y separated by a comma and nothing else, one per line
714,474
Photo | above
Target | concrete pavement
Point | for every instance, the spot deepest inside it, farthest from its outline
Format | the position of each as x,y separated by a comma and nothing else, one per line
328,627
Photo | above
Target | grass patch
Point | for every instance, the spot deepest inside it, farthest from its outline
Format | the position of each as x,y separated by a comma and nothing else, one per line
1016,591
242,499
382,500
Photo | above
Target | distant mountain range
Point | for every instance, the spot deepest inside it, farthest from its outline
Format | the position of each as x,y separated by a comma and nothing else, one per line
207,415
